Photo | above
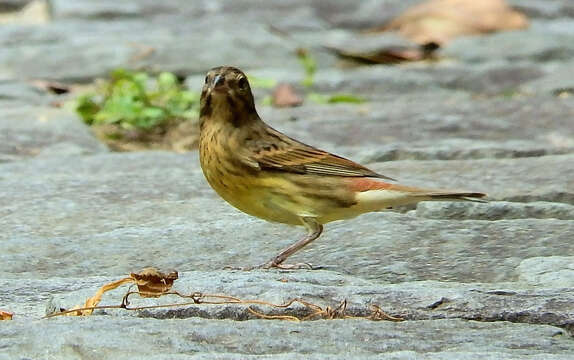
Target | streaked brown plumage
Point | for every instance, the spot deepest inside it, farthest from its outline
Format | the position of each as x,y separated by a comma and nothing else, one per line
267,174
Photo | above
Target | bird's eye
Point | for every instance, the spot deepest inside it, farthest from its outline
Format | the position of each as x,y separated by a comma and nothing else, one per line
242,83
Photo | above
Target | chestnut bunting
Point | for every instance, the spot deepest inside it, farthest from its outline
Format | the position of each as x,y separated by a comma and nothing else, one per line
267,174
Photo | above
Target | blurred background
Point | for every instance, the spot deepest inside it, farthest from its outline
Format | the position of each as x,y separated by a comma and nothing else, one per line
411,78
448,93
100,177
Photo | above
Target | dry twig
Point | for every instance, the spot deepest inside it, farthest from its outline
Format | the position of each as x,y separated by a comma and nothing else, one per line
152,283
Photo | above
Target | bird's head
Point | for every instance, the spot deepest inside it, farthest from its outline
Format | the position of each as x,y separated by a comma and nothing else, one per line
226,96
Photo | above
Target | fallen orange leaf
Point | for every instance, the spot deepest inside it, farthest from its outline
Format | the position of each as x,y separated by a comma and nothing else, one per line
153,283
439,21
95,300
5,315
150,282
284,95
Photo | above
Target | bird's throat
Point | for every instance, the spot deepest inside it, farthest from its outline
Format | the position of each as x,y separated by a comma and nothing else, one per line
224,108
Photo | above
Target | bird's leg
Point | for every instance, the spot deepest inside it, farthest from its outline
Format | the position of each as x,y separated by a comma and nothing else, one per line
314,230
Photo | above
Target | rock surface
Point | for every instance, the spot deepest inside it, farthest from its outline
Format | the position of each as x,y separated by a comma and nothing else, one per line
495,210
471,280
219,339
42,132
104,205
441,319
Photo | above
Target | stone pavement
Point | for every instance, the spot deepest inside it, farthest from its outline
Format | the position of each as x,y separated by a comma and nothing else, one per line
489,281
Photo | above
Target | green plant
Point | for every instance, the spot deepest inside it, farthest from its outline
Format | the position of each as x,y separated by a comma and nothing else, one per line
257,82
335,98
136,100
309,66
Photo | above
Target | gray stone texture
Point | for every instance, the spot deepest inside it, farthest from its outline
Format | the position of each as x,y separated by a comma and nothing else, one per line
494,113
498,210
29,131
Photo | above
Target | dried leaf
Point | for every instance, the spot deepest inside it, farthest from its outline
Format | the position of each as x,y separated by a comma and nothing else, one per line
387,48
52,87
150,282
95,300
284,95
153,283
389,55
377,314
439,21
5,315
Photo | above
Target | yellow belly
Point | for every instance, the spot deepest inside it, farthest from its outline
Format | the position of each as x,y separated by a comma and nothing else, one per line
273,195
252,196
279,197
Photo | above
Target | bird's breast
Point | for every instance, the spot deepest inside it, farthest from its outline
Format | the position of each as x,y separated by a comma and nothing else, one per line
235,181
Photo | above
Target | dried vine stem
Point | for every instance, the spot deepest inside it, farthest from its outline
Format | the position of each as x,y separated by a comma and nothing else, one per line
152,283
338,312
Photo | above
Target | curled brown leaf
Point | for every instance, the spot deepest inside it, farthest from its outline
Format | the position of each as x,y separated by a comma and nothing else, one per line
439,21
6,315
153,283
284,95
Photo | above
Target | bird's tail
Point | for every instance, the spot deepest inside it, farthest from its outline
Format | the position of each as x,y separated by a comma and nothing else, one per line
455,196
373,195
438,195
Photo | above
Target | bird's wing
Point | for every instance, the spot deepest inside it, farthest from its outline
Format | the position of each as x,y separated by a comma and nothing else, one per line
281,153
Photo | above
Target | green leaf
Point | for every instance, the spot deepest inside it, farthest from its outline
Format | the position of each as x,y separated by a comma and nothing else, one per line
140,79
309,66
335,98
318,98
189,97
87,108
137,100
345,98
119,109
119,73
261,82
267,101
166,81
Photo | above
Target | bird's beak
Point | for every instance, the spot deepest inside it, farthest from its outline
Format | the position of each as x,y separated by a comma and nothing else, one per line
217,82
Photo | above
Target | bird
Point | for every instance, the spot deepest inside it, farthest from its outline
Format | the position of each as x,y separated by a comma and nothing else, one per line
269,175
